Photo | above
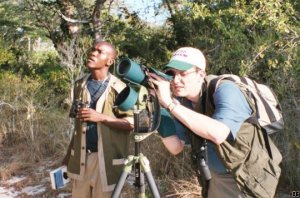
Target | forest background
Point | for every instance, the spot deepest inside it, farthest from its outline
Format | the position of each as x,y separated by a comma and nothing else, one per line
44,44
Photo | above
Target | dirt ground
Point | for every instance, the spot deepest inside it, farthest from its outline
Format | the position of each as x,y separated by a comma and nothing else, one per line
22,180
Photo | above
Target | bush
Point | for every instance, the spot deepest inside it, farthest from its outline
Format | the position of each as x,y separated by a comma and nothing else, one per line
25,120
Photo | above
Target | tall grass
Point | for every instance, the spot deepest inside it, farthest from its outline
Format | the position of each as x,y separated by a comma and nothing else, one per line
37,131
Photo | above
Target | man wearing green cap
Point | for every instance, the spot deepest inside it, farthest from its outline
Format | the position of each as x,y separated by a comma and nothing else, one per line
185,98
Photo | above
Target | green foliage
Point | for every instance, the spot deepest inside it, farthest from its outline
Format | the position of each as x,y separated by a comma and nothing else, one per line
42,68
256,39
16,24
6,57
136,40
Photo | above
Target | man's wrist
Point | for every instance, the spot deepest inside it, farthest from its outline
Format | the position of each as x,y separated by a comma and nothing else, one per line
172,105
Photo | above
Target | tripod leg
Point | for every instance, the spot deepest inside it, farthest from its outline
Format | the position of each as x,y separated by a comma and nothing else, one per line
140,180
146,167
152,184
127,169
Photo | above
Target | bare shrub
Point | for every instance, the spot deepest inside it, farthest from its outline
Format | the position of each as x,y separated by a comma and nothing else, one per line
288,141
26,122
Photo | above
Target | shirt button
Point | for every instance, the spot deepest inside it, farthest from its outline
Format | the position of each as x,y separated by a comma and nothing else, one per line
82,164
83,148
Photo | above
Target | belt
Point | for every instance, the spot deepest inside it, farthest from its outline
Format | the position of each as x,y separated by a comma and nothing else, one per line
91,150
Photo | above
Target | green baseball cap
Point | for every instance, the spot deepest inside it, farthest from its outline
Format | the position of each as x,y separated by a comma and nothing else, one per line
186,58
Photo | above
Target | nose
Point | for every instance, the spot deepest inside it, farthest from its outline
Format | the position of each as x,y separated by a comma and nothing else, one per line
176,78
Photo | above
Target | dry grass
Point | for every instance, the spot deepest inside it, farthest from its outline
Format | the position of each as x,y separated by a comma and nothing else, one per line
9,170
174,175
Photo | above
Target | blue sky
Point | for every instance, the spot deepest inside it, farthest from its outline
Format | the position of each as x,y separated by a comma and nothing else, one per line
146,10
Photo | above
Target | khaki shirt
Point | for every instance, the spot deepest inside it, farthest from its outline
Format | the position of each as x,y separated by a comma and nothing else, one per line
113,144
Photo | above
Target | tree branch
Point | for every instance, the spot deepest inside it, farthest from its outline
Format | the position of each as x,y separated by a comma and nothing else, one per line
68,19
96,20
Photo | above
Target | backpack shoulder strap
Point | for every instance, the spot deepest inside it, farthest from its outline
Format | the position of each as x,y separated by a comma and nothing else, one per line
266,108
213,82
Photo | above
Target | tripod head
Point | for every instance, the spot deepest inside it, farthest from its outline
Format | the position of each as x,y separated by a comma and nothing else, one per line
140,95
145,106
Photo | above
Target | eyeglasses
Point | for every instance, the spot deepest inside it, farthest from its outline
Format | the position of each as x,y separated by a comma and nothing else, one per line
180,74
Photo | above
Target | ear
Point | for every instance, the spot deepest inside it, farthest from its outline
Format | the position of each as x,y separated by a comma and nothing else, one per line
110,61
202,73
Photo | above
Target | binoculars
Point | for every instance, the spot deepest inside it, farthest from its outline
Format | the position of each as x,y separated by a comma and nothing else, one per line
137,74
76,105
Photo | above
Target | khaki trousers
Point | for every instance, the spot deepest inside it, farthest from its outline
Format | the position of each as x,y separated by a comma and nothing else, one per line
223,186
90,186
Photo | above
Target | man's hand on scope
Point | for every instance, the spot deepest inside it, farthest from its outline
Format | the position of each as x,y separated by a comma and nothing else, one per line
88,114
162,88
